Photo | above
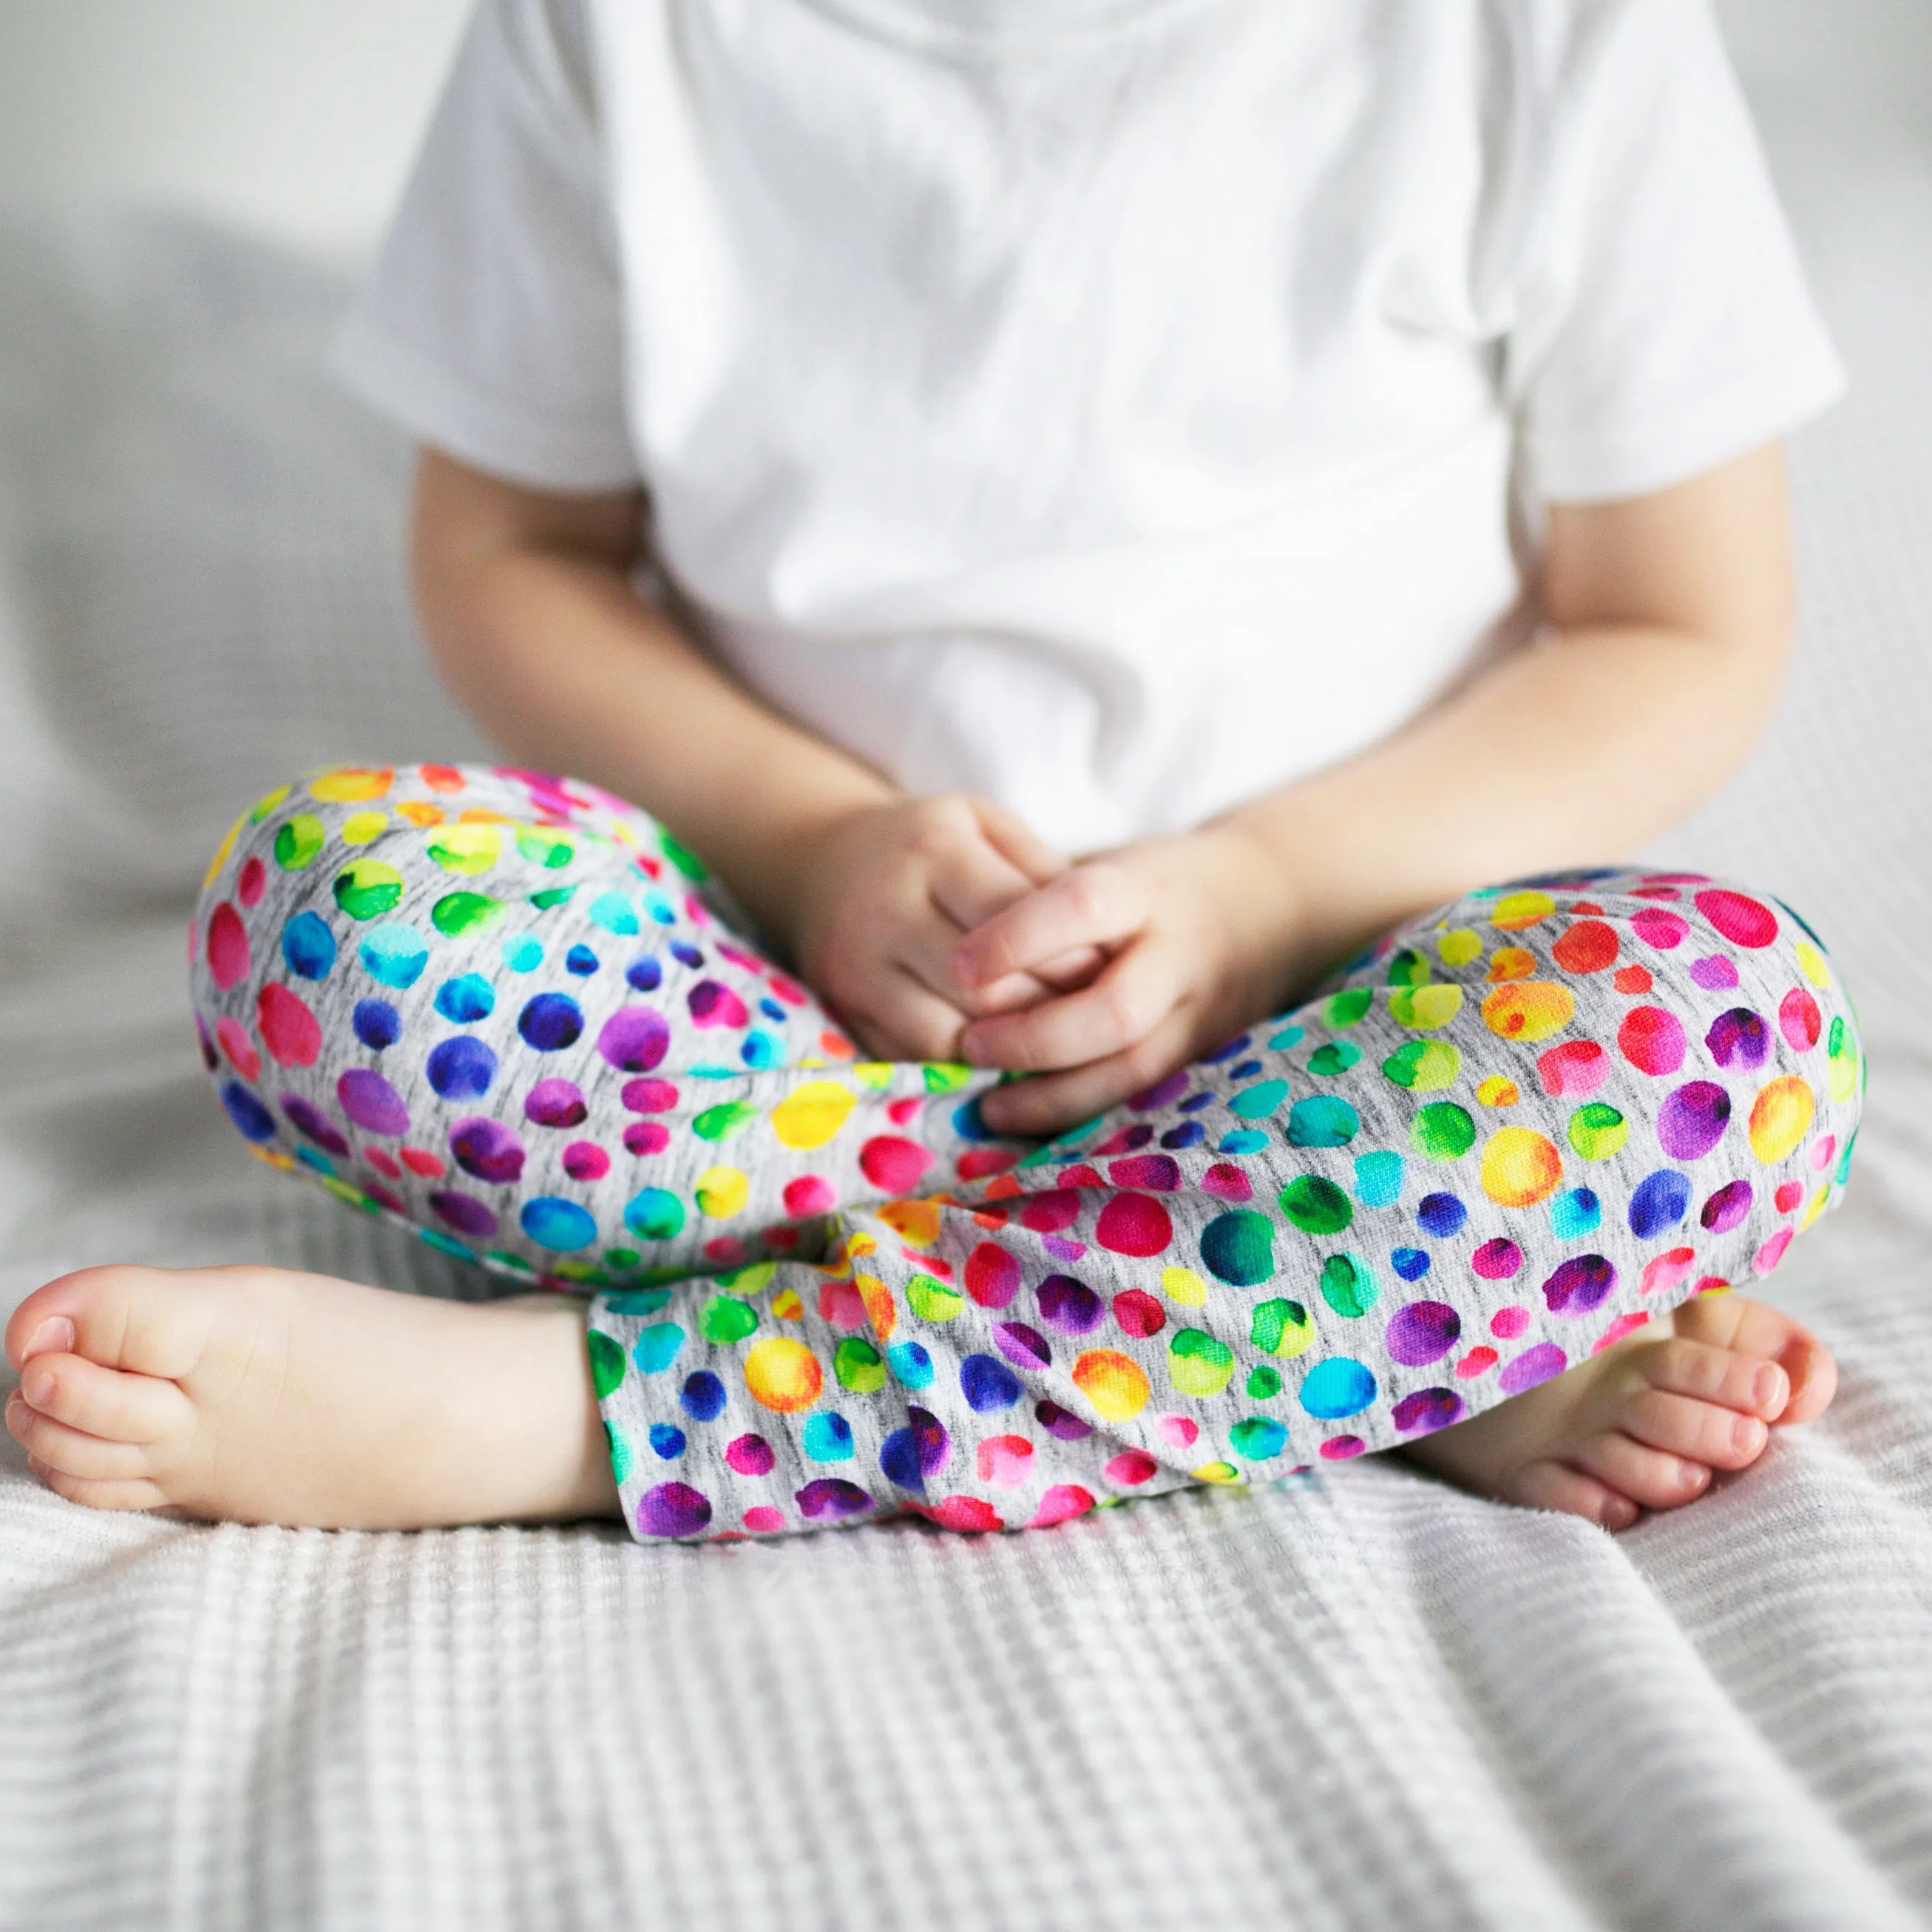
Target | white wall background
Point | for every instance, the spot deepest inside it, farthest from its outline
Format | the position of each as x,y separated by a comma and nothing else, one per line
299,116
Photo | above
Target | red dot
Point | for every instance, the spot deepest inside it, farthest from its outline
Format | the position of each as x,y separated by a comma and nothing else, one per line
893,1165
290,1031
1744,921
1061,1504
1134,1224
227,946
1477,1362
1131,1468
1048,1213
248,887
1790,1193
1588,946
1633,980
967,1514
1138,1313
810,1194
1798,1020
992,1275
420,1160
977,1163
1652,1040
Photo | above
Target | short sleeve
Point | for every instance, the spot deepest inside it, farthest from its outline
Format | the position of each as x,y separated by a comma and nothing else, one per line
1662,325
493,325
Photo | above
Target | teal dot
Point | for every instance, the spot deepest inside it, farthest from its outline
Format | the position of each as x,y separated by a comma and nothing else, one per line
1322,1120
1378,1179
827,1437
614,913
1291,1036
634,1300
393,954
656,1347
465,999
522,953
911,1364
1575,1213
1339,1386
1238,1247
759,1049
1258,1437
1258,1102
560,1225
1243,1140
654,1214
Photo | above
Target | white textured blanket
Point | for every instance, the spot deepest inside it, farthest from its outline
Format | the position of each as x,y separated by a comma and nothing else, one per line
1362,1700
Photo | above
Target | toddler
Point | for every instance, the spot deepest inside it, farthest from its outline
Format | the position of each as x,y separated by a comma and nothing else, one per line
1085,514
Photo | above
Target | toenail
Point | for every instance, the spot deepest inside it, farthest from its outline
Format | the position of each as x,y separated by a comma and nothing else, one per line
1769,1387
1747,1435
37,1386
54,1336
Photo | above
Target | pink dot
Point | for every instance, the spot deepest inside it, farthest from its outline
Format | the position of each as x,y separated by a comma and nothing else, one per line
761,1519
1477,1362
585,1160
1133,1224
647,1137
1159,1171
1138,1313
892,1165
1652,1040
239,1049
965,1514
1821,1151
1661,929
227,946
1789,1196
1061,1504
809,1194
1743,922
248,887
1578,1066
1339,1448
750,1456
290,1031
1663,1274
1497,1260
1624,1324
1799,1020
1004,1461
1183,1432
841,1306
648,1096
1227,1182
1768,1256
379,1159
1131,1468
1509,1323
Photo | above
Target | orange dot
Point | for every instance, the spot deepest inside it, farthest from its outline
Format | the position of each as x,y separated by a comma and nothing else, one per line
1116,1385
783,1374
1519,1167
1510,962
352,785
1528,1009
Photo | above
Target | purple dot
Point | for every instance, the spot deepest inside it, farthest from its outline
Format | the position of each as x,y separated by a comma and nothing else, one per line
462,1069
1160,1093
644,974
1582,1283
1715,974
1442,1215
1533,1366
1025,1348
1423,1332
829,1499
488,1149
555,1103
1070,1306
909,1455
673,1509
309,1120
464,1213
1062,1424
1426,1410
1727,1207
648,1096
550,1022
634,1039
1692,1121
372,1103
1497,1260
1738,1038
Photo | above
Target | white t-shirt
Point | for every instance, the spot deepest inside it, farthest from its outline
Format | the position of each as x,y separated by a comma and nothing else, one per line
1111,406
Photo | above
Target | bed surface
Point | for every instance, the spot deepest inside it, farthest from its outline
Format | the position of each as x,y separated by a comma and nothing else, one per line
1357,1700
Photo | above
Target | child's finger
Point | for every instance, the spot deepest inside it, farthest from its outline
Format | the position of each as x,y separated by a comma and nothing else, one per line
973,880
1053,1102
1134,995
904,1020
1098,904
1014,839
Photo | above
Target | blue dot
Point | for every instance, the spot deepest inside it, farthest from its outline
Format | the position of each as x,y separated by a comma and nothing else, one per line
659,907
254,1119
702,1397
667,1439
462,1069
377,1023
656,1347
1189,1133
682,949
614,913
1575,1213
522,953
1441,1215
1243,1140
314,1157
1377,1178
1227,1050
395,955
1659,1203
1196,1102
772,1010
558,1224
1246,1070
911,1363
466,999
967,1123
1339,1386
827,1437
550,1022
308,946
581,961
643,974
758,1049
1411,1264
988,1384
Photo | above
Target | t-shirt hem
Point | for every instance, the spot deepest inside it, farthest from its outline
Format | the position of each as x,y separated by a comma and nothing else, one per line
1669,447
437,407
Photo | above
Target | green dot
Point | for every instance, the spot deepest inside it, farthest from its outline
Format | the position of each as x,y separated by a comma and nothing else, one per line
751,1278
552,850
552,895
726,1319
1442,1132
620,1259
1337,1056
1349,1006
1282,1328
931,1300
1348,1285
620,1455
1423,1065
1263,1383
858,1366
1598,1132
1408,968
457,915
686,861
941,1077
1199,1365
298,842
1316,1206
368,889
721,1122
606,1362
1238,1247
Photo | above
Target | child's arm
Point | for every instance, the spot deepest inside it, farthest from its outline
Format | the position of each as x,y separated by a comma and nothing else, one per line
1671,615
526,601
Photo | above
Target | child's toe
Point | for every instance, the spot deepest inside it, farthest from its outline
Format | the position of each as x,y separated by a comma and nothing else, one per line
69,1452
1657,1478
1702,1432
1706,1373
1813,1375
1554,1485
94,1494
105,1402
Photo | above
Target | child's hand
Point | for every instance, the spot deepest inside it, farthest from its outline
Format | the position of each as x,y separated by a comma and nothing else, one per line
883,902
1200,929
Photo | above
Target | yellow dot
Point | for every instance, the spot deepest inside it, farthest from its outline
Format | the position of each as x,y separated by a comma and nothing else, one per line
916,1222
1528,1009
1811,963
1511,962
1425,1008
352,785
810,1115
469,849
1495,1091
1183,1285
267,803
359,827
787,1306
722,1192
221,851
1816,1206
1457,948
1520,1167
782,1374
1780,1117
882,1311
1219,1472
875,1074
1116,1385
1516,911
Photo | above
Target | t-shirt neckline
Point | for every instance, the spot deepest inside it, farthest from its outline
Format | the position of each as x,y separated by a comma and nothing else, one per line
992,29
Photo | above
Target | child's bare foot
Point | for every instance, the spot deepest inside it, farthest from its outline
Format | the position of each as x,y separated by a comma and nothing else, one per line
1644,1425
259,1396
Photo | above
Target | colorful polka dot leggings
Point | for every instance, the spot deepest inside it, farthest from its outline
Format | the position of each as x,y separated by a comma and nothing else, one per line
506,1009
